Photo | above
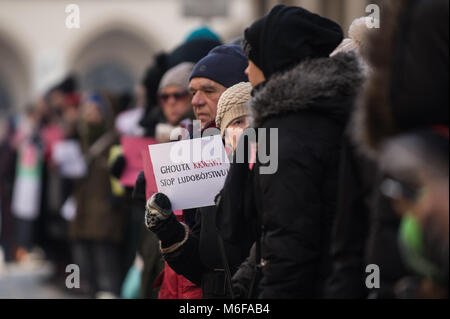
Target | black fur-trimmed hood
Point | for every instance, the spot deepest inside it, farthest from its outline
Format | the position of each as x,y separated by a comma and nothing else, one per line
324,85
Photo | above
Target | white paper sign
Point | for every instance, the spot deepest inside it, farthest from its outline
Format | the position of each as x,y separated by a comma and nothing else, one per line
68,155
26,197
192,172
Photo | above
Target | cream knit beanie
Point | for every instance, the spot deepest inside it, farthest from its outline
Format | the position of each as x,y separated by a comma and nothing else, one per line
232,105
357,37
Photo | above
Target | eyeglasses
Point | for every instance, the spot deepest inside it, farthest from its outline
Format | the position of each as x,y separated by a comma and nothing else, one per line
164,97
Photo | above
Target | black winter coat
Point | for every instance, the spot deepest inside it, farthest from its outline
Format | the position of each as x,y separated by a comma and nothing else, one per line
200,259
310,106
351,226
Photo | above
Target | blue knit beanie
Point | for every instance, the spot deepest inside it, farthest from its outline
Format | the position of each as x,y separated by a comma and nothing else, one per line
224,64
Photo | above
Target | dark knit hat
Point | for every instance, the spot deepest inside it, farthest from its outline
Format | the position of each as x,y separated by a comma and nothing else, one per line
287,36
203,32
225,65
152,77
192,51
69,84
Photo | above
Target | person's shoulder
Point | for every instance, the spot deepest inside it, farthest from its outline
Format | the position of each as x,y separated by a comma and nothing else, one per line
206,210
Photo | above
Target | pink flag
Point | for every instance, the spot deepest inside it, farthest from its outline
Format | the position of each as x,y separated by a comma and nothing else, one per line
132,151
150,181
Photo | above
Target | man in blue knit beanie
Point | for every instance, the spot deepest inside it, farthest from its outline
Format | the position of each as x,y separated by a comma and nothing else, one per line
194,253
222,68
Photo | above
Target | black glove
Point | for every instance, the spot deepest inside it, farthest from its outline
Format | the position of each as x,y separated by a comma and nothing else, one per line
160,219
157,210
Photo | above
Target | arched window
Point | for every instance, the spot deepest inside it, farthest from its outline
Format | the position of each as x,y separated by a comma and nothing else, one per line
113,59
14,76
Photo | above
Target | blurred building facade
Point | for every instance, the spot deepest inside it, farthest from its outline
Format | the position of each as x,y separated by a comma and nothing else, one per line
116,38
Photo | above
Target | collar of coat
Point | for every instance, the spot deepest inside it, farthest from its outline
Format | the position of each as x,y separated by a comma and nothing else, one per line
324,85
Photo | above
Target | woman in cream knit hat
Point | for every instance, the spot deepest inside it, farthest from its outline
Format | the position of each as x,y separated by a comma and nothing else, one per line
233,114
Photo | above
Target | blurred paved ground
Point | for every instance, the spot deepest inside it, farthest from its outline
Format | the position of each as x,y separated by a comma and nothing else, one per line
30,281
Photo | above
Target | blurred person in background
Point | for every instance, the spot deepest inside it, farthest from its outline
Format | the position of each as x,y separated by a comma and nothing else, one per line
59,118
97,228
127,122
127,125
27,192
174,100
70,115
416,184
7,176
402,122
152,114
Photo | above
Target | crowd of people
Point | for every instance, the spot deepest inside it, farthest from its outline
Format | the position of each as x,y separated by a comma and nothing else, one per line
361,179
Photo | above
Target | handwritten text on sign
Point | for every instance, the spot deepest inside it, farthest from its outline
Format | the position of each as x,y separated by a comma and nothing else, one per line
191,172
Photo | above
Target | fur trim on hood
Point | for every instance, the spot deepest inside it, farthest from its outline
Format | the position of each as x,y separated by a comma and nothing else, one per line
322,85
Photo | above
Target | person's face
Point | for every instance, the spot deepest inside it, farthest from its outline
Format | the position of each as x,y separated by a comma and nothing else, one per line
205,96
234,131
255,75
57,99
70,114
427,201
91,113
175,102
432,210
